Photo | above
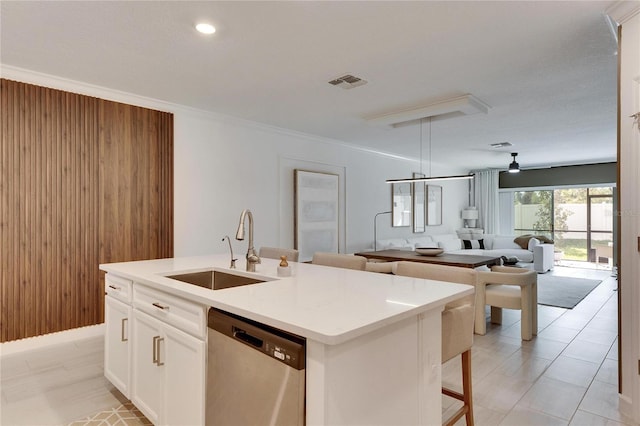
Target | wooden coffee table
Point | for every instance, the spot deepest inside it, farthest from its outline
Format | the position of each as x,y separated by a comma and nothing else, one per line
459,260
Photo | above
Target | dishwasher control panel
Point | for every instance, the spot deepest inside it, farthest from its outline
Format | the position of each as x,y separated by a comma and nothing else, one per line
281,353
277,344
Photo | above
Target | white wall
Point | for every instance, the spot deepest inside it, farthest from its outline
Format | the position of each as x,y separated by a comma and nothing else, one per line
224,164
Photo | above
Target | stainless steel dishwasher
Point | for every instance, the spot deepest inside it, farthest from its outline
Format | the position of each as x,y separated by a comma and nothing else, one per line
255,373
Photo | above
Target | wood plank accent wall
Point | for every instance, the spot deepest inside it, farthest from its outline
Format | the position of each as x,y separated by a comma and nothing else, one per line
135,183
84,181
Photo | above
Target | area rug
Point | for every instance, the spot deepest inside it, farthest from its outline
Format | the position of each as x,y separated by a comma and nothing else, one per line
124,415
563,292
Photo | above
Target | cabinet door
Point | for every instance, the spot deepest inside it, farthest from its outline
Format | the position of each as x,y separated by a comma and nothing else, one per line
117,347
185,377
147,371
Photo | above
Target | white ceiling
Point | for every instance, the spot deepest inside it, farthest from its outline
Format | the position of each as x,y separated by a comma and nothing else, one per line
547,69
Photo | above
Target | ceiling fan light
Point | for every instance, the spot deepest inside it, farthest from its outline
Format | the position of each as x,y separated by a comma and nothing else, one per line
514,167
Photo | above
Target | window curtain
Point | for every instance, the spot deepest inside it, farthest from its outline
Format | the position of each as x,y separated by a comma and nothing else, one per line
507,219
486,200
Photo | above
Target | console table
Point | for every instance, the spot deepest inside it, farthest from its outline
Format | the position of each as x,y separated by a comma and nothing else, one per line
459,260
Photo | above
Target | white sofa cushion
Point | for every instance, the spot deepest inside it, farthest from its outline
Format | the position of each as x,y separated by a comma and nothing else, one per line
424,241
393,243
451,244
444,237
504,242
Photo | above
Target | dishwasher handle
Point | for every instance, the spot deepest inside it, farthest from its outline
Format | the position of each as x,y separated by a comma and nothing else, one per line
241,334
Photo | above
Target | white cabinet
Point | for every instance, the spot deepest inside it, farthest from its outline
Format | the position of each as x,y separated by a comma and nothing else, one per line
169,365
147,370
185,379
169,374
155,351
117,348
117,342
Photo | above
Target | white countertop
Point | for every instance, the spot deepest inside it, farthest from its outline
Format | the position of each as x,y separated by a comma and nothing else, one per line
329,305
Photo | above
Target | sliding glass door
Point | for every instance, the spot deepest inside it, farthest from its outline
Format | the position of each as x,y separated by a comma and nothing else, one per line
579,220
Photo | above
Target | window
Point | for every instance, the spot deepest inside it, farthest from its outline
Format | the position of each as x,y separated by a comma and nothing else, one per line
533,213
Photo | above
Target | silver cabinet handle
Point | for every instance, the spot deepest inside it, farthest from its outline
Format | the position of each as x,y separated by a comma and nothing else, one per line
159,363
123,338
159,306
156,350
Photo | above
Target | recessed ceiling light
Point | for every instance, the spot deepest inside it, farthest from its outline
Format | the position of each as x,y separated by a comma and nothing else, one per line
205,28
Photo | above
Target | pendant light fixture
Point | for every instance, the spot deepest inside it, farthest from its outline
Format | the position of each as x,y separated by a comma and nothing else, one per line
514,167
423,177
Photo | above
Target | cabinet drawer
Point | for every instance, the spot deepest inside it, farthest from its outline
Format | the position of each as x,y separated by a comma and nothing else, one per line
118,287
182,314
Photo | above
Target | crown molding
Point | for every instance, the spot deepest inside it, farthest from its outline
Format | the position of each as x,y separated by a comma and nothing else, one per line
623,10
60,83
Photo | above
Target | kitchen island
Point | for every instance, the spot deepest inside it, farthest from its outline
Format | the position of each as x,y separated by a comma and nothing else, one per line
373,340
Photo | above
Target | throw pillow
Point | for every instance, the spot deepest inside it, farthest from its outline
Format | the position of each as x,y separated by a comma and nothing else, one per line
523,240
473,244
504,242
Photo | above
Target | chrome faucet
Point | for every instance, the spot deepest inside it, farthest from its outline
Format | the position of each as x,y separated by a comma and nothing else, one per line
233,261
252,257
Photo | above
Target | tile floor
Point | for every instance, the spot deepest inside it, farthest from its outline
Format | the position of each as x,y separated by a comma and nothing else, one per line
56,385
567,375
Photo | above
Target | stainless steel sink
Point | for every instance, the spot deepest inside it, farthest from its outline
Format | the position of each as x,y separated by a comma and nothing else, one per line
215,280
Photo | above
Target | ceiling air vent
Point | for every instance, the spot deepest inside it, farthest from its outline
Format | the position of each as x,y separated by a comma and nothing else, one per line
348,81
501,145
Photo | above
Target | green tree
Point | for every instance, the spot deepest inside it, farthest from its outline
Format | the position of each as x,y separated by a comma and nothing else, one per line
545,211
548,217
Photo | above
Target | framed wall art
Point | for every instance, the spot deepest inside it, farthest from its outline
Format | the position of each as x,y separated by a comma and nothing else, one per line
316,224
401,204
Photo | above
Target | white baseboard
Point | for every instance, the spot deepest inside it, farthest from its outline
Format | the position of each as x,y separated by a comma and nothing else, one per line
40,342
626,407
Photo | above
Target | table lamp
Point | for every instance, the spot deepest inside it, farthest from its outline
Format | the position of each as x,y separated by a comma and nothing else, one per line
470,216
